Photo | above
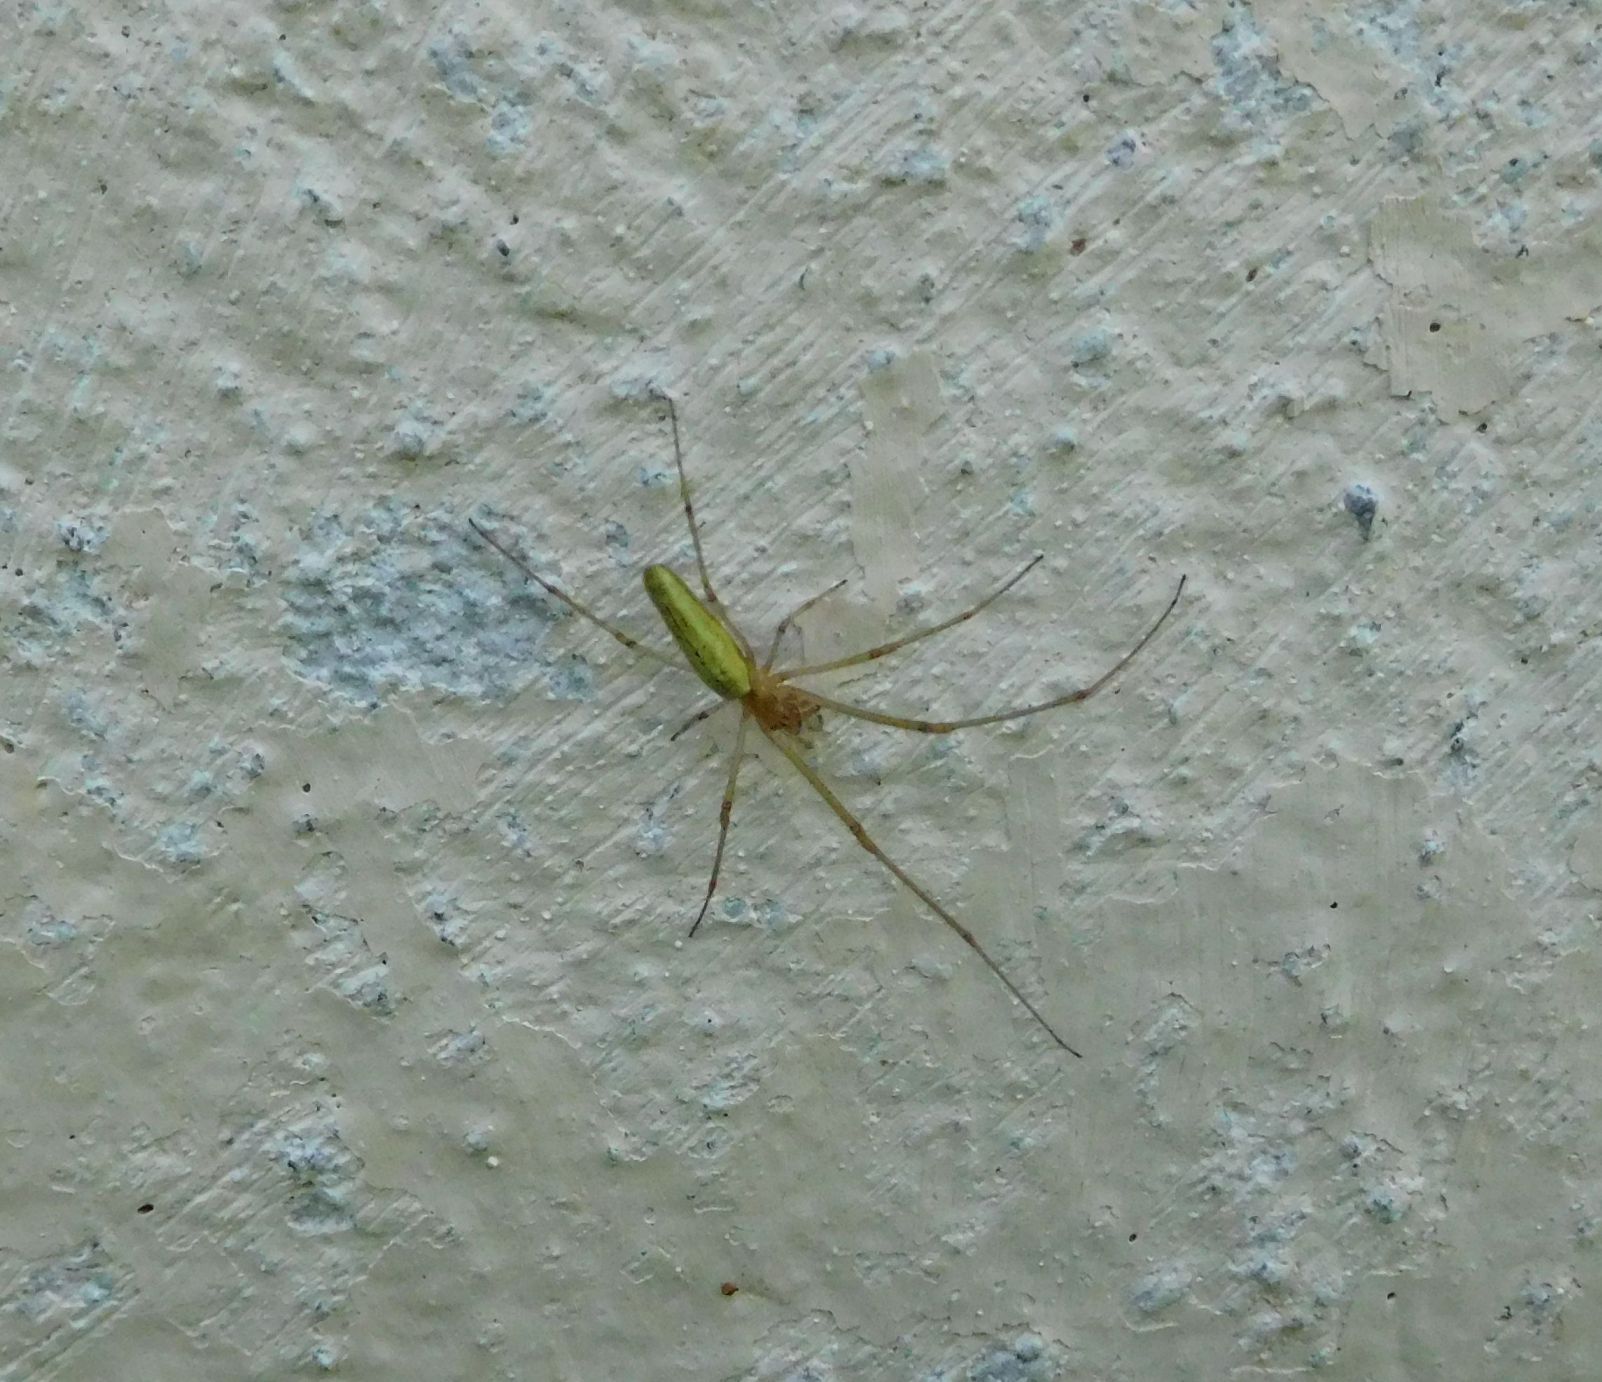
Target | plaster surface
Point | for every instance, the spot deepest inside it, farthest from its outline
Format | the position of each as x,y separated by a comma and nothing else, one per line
349,1024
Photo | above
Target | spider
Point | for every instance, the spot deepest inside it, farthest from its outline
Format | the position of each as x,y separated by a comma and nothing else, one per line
724,658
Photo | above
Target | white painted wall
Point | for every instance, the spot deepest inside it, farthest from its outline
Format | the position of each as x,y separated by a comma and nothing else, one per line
348,1022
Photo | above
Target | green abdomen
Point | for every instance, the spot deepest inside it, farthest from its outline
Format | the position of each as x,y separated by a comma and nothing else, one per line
707,646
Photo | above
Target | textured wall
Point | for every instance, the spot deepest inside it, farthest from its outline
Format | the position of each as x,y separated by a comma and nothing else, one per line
348,1019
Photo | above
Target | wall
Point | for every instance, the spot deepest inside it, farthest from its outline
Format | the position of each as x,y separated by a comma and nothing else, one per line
350,1022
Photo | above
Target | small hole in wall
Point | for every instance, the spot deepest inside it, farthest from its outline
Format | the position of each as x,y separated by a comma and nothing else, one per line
1435,326
305,786
146,1207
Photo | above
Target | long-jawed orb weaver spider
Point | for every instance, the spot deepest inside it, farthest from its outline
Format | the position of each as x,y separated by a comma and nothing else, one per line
721,655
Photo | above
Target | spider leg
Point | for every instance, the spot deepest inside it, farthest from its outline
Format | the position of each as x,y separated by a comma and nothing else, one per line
946,726
628,640
725,814
855,659
706,712
784,624
855,826
717,606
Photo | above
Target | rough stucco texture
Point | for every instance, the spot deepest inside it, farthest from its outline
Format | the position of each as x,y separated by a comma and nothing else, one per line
348,1020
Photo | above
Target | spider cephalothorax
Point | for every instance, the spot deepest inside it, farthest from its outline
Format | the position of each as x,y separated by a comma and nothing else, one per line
775,705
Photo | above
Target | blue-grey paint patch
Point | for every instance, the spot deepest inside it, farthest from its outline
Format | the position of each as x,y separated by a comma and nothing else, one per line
388,600
1160,1289
911,601
1026,1359
630,386
504,83
919,167
515,834
616,537
288,76
179,843
1393,27
458,1049
324,1174
1462,755
412,437
570,679
1386,1203
532,404
322,204
452,60
358,976
651,838
1249,79
1362,503
1533,114
78,401
189,258
80,534
1269,1167
97,786
1090,347
83,716
1363,635
1038,218
1517,168
66,1290
445,920
233,544
45,929
1122,151
769,913
510,126
54,610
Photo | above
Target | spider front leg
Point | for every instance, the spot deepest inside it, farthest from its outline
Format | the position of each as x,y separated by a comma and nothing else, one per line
1084,693
715,604
628,640
870,654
